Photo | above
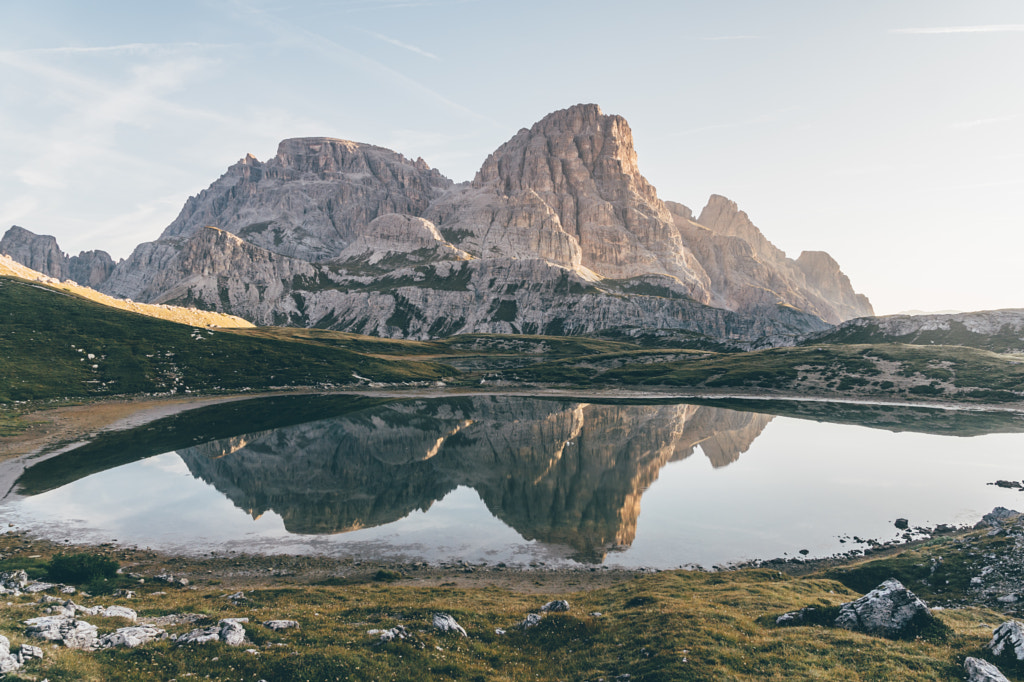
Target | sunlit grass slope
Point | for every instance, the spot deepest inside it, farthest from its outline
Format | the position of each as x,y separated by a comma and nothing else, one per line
201,318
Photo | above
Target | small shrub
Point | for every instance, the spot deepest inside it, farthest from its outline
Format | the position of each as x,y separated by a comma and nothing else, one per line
81,568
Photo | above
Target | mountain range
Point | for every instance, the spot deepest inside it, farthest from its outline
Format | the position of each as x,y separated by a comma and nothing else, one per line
559,233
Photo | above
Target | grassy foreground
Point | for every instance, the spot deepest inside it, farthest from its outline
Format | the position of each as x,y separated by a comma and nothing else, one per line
673,625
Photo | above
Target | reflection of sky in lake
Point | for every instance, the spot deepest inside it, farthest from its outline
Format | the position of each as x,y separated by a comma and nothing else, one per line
801,485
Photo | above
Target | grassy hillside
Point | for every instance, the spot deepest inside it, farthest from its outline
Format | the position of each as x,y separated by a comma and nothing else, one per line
201,318
894,370
57,344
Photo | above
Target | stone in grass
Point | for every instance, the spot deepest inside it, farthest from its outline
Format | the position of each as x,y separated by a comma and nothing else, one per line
1008,640
73,633
280,624
532,620
980,670
120,612
889,610
446,623
228,630
8,661
131,636
805,616
396,633
557,606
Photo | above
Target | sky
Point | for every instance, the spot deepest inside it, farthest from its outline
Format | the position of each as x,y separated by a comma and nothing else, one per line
888,133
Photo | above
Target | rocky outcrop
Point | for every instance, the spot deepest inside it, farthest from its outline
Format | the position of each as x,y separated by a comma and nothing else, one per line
569,191
889,610
41,253
750,274
1001,331
1008,641
980,670
313,198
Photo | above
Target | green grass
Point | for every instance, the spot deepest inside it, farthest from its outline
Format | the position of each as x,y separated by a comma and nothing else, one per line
47,337
675,625
972,374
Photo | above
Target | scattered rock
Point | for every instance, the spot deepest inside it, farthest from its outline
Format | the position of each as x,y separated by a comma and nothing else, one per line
228,630
13,580
8,661
1008,640
996,517
73,633
397,632
557,606
67,589
38,586
280,624
532,619
902,524
236,597
446,623
131,636
980,670
801,617
120,612
123,593
889,610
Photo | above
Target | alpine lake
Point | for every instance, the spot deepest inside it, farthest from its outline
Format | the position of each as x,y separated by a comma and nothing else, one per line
524,480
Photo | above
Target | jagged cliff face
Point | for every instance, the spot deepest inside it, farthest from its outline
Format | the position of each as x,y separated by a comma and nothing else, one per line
750,275
566,473
559,233
570,192
41,253
312,199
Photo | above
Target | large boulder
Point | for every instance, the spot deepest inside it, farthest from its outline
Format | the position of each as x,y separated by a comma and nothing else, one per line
889,610
1008,640
980,670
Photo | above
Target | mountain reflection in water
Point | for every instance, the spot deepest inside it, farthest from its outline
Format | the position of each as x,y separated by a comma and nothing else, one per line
566,473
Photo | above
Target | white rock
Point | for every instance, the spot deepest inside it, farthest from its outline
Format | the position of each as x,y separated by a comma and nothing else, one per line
980,670
890,610
447,623
131,636
280,624
1008,640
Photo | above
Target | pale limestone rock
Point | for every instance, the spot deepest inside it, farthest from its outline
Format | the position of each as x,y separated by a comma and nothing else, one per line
569,191
889,610
980,670
446,623
131,636
313,198
1008,640
749,274
41,253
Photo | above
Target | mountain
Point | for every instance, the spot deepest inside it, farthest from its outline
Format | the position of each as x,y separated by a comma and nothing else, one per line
41,253
558,233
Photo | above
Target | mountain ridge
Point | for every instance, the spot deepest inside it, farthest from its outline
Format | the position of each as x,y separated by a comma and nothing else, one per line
557,233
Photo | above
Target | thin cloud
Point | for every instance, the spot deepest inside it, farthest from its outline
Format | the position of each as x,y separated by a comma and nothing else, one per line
943,30
126,47
404,46
965,125
739,37
291,34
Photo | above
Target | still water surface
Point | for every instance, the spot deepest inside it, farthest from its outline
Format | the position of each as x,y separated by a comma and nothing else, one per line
520,480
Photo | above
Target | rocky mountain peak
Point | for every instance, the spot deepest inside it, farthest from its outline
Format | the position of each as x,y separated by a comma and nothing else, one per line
40,252
575,150
724,217
313,198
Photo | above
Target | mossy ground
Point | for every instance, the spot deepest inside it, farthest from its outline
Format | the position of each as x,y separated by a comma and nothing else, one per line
672,625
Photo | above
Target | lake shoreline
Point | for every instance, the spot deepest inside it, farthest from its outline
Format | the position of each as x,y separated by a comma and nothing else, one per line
51,428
